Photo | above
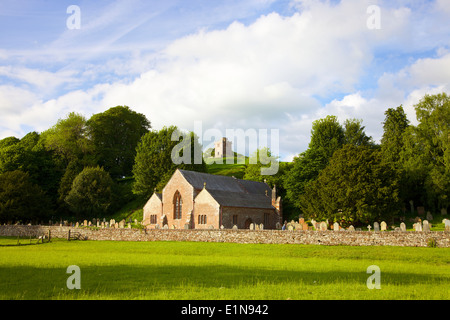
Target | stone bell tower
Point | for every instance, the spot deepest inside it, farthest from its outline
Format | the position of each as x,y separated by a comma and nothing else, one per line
223,148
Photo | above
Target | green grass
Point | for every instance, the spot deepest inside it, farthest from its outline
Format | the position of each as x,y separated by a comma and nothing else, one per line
188,270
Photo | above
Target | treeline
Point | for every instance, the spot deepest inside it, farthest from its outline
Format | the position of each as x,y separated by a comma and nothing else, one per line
87,168
82,168
345,177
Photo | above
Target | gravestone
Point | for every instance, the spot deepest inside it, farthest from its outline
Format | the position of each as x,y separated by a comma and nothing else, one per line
166,227
351,228
98,223
278,226
417,226
402,227
376,226
77,225
252,226
85,223
429,216
290,227
116,225
369,227
336,226
222,227
261,226
122,224
129,225
323,226
305,227
426,226
420,211
186,226
235,227
383,226
447,224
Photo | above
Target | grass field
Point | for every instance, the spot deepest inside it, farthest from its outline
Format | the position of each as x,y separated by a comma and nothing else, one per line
188,270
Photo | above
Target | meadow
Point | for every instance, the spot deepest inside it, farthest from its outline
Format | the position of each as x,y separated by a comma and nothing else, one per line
195,271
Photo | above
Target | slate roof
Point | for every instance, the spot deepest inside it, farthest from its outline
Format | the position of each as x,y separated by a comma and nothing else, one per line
232,192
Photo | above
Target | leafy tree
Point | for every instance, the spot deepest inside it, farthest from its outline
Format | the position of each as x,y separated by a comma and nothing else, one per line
354,133
426,155
21,199
154,162
69,140
91,193
115,134
327,136
356,187
394,127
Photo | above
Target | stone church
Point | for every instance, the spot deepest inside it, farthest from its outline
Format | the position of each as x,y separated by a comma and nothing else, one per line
195,200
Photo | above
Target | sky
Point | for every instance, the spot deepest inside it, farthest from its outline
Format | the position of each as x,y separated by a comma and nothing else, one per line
250,65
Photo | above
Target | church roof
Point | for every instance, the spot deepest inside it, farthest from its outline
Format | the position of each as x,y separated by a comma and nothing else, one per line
231,192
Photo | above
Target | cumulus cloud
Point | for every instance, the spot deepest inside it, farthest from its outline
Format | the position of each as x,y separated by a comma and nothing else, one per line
280,72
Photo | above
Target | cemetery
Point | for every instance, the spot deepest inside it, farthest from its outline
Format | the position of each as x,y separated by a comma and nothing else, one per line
294,232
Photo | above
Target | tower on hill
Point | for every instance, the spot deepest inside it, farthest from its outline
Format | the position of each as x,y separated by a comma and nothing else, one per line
223,148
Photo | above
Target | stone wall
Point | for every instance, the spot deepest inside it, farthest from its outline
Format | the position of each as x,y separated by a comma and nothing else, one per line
355,238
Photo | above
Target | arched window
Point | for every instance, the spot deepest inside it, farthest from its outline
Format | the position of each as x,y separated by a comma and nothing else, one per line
177,205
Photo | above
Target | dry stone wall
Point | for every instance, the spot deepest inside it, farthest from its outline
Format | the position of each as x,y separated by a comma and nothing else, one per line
350,238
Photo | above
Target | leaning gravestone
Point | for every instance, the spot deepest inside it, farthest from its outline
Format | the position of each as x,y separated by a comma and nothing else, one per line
376,226
402,227
383,226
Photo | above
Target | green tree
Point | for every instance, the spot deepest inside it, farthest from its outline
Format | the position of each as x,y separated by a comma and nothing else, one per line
426,155
91,193
394,127
21,199
327,136
154,163
69,139
115,134
354,133
356,187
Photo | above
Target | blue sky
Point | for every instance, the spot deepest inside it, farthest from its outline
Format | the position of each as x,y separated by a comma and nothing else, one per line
258,64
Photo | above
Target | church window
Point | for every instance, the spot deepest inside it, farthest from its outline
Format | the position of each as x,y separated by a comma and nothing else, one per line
177,205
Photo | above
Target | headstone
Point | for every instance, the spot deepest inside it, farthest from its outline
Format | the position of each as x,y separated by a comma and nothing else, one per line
336,226
376,226
417,226
116,225
278,226
85,223
420,211
304,226
290,227
301,221
447,224
156,225
369,227
383,226
429,216
323,226
166,227
186,226
129,225
256,226
351,228
402,227
426,226
77,225
252,226
122,224
261,226
106,224
98,223
222,227
90,224
235,227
